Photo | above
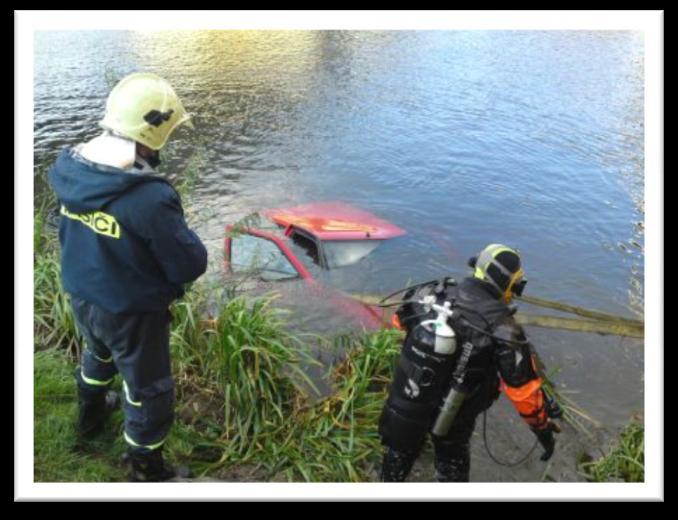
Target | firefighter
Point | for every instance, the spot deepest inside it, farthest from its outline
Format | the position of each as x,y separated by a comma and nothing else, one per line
126,254
445,379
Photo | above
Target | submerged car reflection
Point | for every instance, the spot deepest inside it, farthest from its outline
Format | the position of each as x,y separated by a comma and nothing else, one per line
301,242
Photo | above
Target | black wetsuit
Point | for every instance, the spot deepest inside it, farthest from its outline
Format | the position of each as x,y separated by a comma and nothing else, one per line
423,377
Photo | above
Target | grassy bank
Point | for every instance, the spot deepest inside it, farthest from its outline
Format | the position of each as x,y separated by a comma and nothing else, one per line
625,460
242,400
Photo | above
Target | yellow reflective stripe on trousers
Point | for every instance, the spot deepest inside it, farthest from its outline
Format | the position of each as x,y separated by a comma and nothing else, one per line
129,399
94,382
147,446
107,360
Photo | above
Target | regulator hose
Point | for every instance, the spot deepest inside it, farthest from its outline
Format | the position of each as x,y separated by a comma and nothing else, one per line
405,289
500,462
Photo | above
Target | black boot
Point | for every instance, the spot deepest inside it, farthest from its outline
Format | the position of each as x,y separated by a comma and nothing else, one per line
93,413
150,466
397,465
453,464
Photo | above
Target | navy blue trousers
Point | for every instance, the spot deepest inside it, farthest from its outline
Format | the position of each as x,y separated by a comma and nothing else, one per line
136,346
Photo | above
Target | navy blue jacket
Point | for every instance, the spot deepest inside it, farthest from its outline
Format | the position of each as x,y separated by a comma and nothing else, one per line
125,245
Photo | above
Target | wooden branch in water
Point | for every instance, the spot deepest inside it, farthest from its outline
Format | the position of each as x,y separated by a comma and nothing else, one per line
580,311
617,328
600,323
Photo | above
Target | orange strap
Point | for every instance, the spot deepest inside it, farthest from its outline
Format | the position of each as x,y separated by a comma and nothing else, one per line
529,401
395,321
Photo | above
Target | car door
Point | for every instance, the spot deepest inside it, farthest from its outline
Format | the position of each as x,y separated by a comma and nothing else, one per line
255,260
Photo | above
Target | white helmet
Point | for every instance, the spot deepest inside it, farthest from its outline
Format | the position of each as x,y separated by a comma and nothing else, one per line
144,107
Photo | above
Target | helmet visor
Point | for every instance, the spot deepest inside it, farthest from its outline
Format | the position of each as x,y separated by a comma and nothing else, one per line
519,287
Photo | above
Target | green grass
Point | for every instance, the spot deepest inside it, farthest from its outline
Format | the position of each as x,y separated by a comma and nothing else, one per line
54,323
247,375
338,440
59,457
624,462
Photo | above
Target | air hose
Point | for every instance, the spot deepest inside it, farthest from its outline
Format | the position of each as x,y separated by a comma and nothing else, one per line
405,289
500,462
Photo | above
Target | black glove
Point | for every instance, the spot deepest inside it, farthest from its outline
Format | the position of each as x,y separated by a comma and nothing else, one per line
547,440
553,409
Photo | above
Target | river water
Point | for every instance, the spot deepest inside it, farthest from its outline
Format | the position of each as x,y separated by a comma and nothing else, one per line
462,138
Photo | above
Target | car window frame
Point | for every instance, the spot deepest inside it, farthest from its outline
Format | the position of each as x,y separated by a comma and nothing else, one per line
322,260
301,269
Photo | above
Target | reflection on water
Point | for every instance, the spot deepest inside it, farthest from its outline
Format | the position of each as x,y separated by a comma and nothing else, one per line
462,138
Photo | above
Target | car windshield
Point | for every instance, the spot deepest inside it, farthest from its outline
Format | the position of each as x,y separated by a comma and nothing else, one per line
260,257
305,248
341,253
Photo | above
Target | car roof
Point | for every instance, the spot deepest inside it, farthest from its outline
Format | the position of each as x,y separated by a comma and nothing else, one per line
335,220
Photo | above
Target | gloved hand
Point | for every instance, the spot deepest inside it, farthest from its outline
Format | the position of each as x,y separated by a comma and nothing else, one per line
553,409
546,439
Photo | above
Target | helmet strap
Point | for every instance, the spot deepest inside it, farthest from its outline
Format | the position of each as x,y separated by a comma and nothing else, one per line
508,293
153,160
152,157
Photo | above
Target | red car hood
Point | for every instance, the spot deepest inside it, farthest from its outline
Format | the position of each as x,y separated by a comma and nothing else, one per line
335,221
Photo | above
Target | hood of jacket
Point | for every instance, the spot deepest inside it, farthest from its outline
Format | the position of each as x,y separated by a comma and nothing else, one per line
83,186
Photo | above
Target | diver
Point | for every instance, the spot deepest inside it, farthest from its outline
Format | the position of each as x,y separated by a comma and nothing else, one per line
462,347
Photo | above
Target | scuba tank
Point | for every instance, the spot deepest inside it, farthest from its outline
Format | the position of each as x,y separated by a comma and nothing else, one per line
427,361
445,338
455,396
432,379
445,344
429,297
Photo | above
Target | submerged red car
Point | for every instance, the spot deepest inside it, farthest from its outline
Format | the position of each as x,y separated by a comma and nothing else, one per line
300,242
